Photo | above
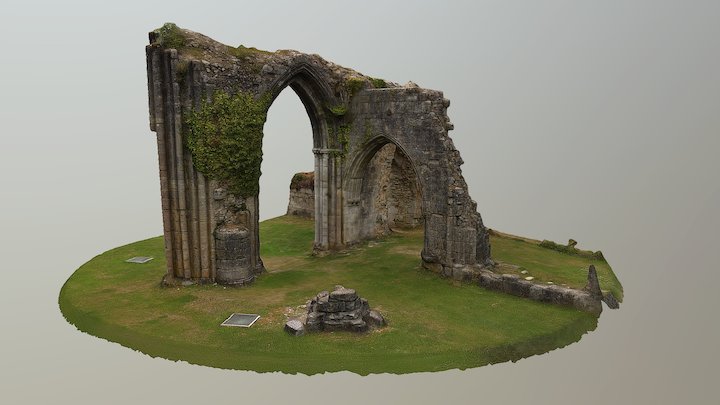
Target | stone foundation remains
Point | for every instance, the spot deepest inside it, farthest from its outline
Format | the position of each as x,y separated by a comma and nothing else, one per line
340,309
588,299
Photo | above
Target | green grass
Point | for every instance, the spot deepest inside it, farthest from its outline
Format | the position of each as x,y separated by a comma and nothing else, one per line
550,265
434,324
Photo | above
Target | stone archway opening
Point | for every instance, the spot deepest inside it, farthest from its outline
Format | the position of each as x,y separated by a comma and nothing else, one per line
287,150
383,193
393,197
315,97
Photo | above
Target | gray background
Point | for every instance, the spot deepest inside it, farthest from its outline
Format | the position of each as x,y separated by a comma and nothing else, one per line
596,120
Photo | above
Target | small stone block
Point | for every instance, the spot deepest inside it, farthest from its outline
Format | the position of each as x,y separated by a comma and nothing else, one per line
358,325
374,318
343,294
295,327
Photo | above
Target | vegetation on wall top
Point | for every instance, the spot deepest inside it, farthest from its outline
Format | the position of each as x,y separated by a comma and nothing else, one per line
170,36
378,83
303,180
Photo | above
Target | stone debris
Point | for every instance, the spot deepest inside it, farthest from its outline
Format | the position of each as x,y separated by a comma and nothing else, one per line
374,318
529,278
295,327
340,309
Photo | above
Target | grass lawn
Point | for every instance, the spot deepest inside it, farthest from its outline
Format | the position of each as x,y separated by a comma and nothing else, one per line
434,324
549,265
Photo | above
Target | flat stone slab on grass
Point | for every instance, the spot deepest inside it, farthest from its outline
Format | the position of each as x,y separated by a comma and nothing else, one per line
241,320
139,259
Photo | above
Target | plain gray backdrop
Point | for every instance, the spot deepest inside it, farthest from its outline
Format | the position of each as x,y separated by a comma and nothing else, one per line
592,120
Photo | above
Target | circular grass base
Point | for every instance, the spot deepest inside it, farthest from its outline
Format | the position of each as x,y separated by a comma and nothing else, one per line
433,323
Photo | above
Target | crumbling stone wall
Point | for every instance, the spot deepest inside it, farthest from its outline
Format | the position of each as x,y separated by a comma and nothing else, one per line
211,225
302,195
393,199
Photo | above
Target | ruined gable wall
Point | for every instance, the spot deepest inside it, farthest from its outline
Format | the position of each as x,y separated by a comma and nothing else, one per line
211,230
416,121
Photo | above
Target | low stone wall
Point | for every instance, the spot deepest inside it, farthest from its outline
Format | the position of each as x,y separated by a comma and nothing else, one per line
589,299
555,294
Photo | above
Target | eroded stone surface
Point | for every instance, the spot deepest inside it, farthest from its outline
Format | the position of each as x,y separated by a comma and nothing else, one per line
302,195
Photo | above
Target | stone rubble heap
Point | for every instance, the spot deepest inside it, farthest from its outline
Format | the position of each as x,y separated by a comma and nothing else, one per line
341,309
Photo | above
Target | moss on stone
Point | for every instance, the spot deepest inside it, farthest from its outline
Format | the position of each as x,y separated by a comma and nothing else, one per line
338,110
354,84
242,51
378,83
170,36
225,138
343,134
340,140
181,70
303,180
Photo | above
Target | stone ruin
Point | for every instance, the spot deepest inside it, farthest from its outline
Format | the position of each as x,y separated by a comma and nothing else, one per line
301,202
395,202
366,131
340,309
589,299
383,159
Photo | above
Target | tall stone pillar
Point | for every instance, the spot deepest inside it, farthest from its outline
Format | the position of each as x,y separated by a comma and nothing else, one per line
321,198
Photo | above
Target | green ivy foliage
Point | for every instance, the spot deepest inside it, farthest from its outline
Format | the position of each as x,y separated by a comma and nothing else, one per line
225,139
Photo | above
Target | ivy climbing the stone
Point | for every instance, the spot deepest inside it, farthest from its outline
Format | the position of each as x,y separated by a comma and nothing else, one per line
224,137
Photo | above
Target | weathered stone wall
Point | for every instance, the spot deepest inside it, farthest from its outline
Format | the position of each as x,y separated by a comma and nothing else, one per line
415,121
404,201
514,285
352,117
394,196
302,195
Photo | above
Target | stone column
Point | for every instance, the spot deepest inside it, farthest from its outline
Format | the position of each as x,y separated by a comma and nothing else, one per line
328,202
321,198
